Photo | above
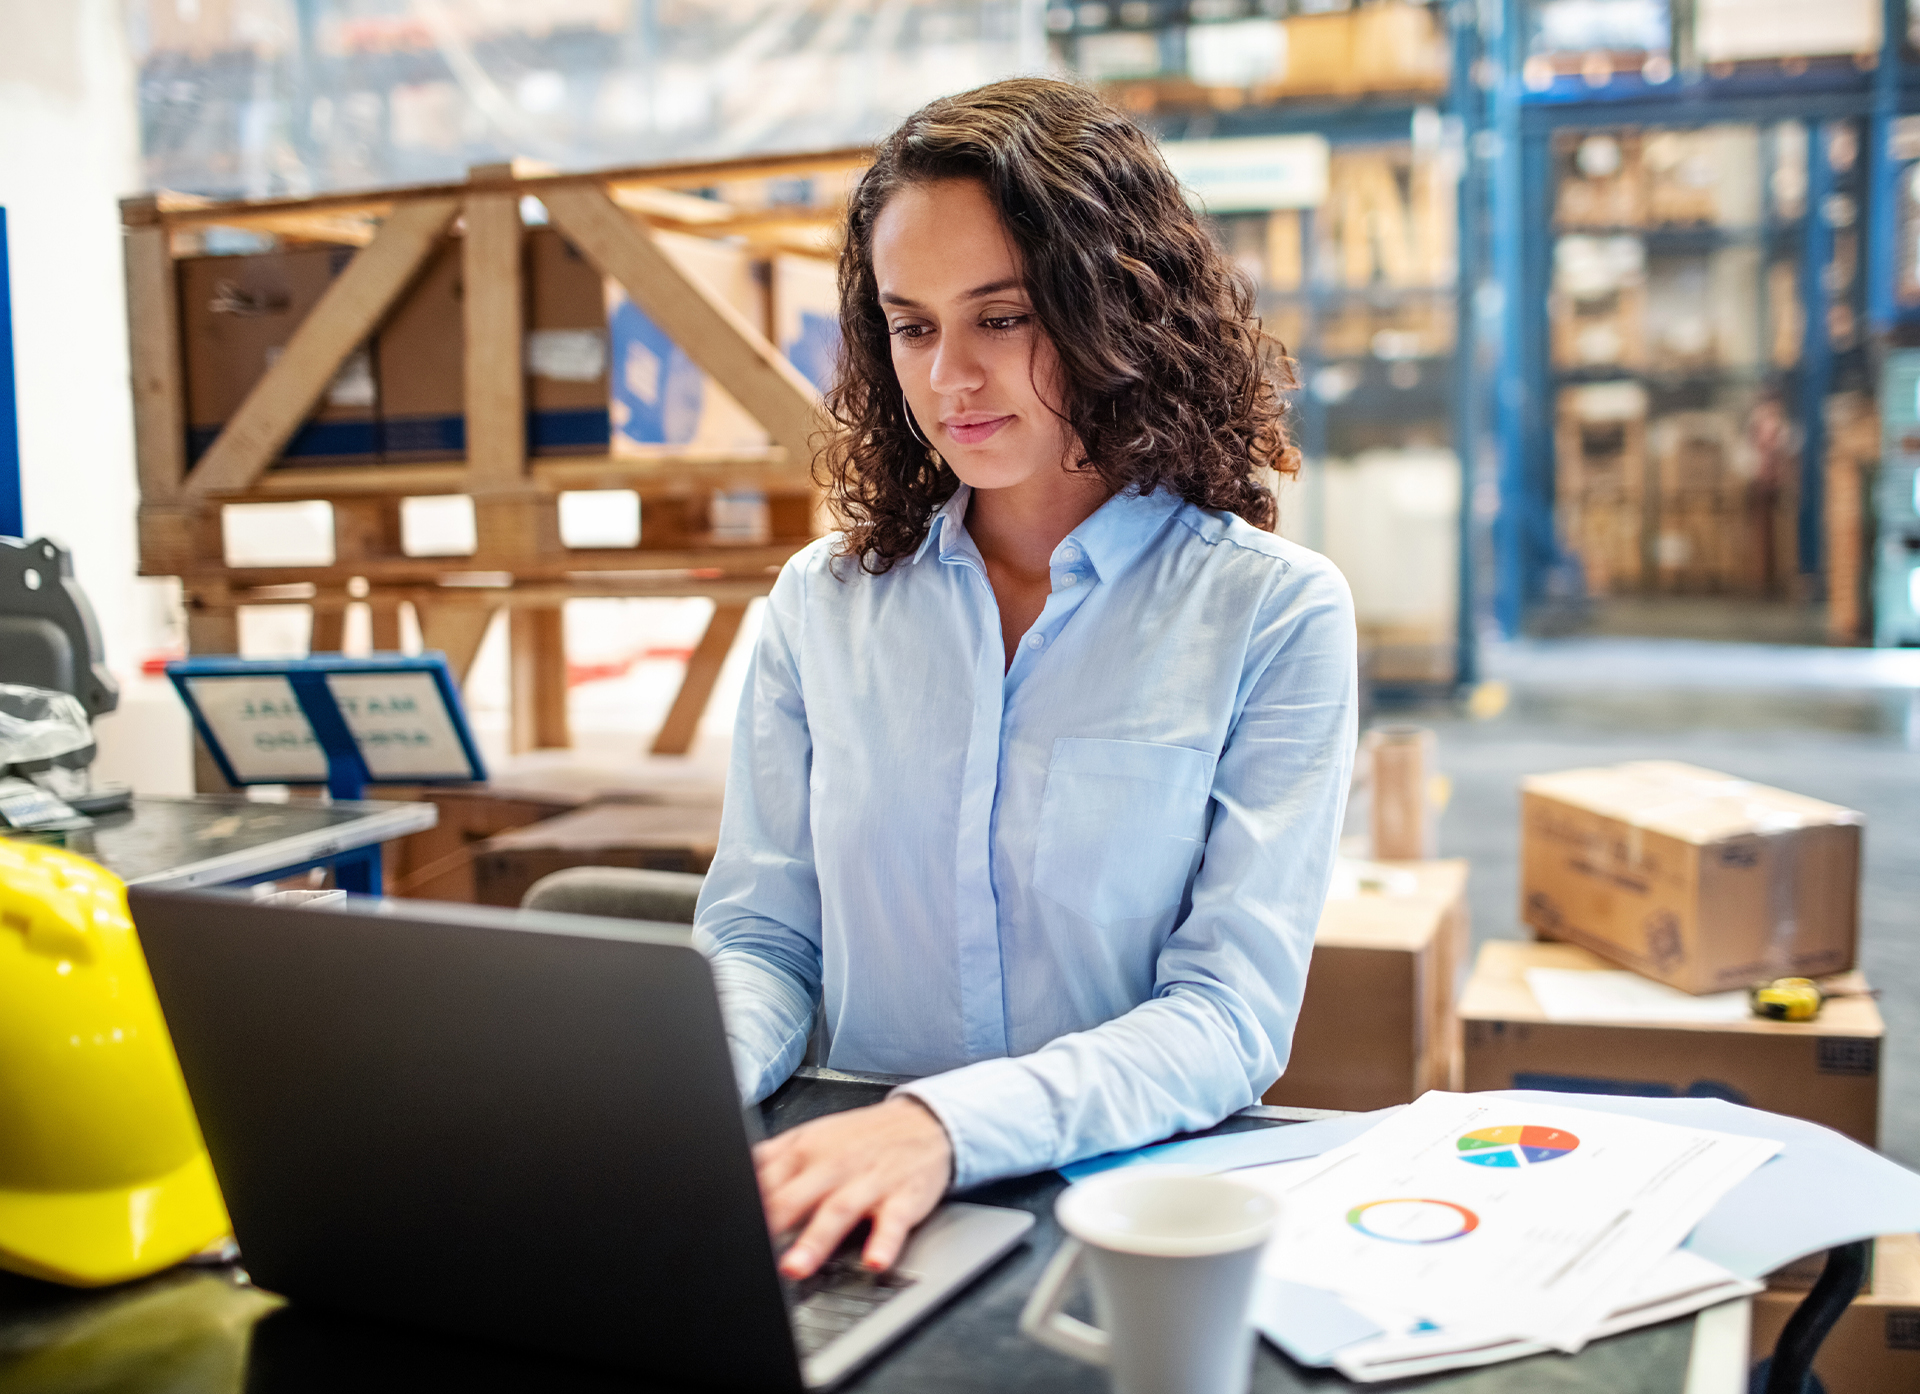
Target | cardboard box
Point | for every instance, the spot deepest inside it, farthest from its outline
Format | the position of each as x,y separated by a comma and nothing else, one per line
236,315
1698,879
1875,1346
1728,31
423,356
659,396
423,365
1397,47
566,349
1826,1070
1317,58
806,315
1377,1025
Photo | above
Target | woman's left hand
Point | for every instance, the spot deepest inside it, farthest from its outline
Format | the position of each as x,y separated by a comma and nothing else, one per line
890,1163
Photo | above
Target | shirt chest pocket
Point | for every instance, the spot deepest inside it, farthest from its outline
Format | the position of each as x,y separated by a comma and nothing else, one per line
1122,825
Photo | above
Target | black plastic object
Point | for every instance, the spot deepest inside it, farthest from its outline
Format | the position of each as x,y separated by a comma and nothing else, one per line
48,635
1790,1371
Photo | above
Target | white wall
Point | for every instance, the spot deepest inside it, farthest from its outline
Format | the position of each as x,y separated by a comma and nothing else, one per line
69,150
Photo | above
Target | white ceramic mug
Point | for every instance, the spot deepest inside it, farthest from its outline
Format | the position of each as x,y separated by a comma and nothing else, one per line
1172,1257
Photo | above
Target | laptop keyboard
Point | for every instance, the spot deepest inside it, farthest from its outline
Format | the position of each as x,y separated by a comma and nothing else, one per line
843,1293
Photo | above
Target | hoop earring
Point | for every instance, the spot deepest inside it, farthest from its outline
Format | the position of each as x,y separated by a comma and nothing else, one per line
914,428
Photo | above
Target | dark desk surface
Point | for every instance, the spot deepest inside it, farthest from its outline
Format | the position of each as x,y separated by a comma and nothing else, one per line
214,839
202,1331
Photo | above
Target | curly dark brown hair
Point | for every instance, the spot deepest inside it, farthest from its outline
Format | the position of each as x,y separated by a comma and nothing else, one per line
1169,382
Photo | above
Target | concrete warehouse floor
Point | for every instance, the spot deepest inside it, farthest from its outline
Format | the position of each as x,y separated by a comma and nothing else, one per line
1840,725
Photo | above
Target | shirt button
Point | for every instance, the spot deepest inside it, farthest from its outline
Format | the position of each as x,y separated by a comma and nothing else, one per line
1069,553
1034,641
1069,579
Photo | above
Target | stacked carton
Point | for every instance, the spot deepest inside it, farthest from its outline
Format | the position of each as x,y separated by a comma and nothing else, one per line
1875,1345
1377,1025
600,377
1600,482
1708,884
1699,507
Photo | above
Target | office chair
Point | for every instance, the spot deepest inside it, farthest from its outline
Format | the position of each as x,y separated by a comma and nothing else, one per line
618,892
48,636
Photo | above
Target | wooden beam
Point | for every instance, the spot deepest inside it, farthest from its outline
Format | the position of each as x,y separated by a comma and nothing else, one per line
211,628
329,629
351,308
677,732
384,612
689,174
456,630
665,206
731,560
538,719
158,375
350,481
714,334
341,229
495,375
667,470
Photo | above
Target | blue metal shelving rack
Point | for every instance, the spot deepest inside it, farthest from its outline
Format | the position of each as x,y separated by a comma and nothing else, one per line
1375,121
1514,128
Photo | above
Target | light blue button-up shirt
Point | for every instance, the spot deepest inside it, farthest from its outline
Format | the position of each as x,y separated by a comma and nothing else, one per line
1075,895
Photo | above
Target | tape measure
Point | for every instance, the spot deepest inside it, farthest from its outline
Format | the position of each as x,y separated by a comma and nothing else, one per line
1787,999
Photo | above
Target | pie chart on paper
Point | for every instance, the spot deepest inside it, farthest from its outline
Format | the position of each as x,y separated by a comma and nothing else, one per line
1515,1145
1413,1220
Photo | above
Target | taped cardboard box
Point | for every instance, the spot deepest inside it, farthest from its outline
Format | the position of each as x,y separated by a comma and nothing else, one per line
566,350
1700,880
806,315
236,315
1875,1346
1377,1025
423,356
1826,1070
659,396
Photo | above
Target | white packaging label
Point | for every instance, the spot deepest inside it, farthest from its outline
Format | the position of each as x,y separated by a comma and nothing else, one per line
567,355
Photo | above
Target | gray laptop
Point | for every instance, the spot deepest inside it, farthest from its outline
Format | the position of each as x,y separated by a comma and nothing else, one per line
512,1126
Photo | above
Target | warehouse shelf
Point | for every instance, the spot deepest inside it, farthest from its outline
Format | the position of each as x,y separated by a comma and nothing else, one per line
1371,295
1816,79
1515,129
1675,380
1674,238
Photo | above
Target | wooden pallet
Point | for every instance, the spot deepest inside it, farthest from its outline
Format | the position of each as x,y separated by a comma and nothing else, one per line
521,564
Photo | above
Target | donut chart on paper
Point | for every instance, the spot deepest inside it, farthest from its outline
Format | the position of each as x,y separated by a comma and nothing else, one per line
1413,1220
1515,1145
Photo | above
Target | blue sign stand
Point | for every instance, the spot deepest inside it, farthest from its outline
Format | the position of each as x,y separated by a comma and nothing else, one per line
13,516
333,720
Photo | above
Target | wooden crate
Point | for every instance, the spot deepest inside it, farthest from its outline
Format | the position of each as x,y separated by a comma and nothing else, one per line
437,864
1853,454
1601,484
1599,332
651,836
520,563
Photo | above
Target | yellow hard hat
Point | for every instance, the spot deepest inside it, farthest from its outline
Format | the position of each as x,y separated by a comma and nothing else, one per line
103,1176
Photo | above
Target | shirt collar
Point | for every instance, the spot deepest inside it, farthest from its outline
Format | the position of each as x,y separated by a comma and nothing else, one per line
1108,539
1116,531
946,524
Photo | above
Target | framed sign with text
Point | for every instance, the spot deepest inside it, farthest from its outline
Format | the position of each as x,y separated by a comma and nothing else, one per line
333,720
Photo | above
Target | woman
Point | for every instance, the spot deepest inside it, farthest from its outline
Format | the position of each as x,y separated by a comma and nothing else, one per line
1040,767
